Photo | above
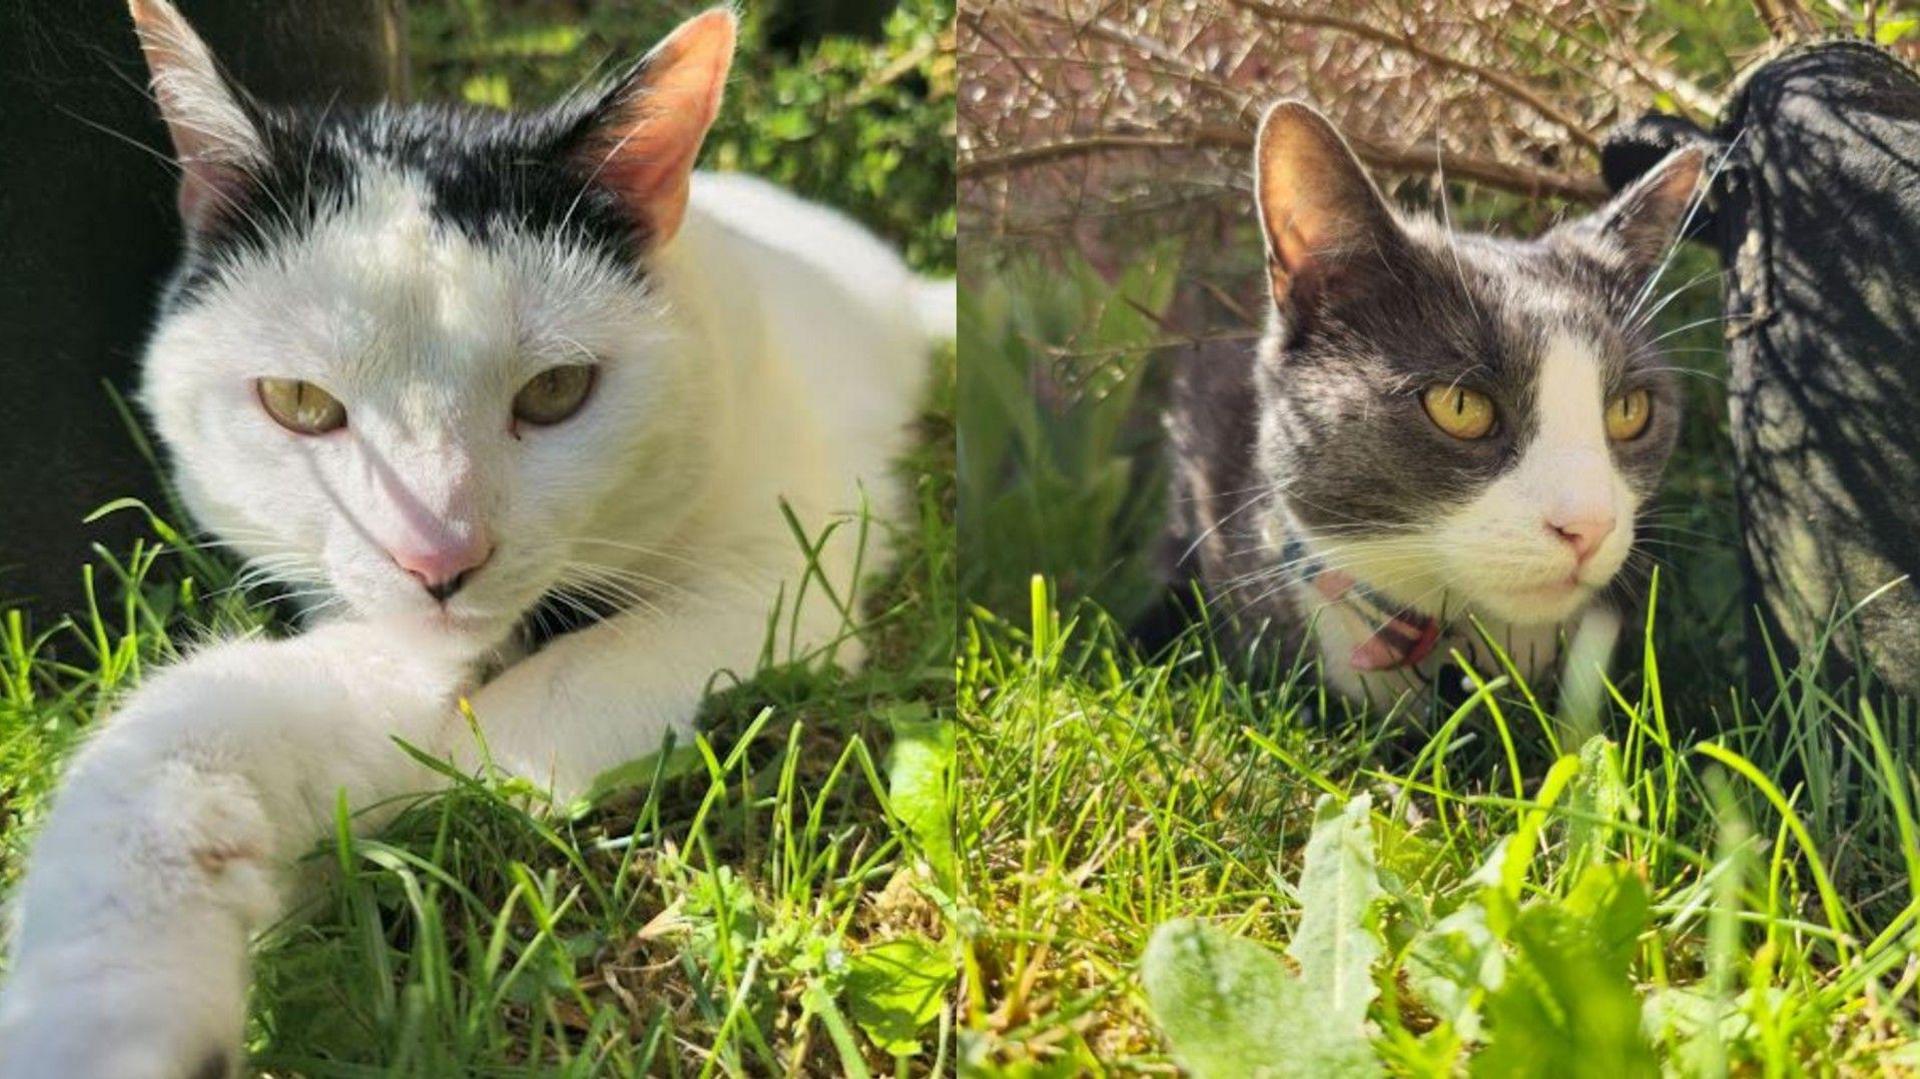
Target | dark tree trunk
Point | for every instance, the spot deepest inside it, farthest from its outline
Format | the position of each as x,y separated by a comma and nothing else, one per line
87,220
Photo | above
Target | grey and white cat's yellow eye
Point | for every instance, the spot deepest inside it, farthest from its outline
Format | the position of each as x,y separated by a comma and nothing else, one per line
300,406
1463,413
1628,415
555,394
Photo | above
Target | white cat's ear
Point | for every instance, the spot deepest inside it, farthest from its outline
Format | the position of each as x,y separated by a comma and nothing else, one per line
1319,209
643,139
1645,221
215,140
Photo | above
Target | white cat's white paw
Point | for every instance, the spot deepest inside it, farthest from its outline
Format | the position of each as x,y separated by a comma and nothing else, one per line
88,1014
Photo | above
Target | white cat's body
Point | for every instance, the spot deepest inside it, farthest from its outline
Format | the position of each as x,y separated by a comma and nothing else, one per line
781,351
816,340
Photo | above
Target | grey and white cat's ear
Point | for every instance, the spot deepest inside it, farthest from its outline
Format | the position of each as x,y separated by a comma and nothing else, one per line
1318,207
1642,223
216,142
644,137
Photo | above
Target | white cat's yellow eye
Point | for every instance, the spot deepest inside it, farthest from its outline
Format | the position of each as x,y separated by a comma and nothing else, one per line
300,406
554,394
1461,412
1627,415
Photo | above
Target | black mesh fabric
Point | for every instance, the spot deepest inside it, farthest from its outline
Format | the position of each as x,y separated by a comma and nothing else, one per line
1816,216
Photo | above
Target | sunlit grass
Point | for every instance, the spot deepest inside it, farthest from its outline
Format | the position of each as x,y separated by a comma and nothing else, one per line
1103,795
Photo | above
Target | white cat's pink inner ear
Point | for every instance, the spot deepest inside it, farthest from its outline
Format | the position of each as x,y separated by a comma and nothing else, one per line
1570,463
646,147
214,141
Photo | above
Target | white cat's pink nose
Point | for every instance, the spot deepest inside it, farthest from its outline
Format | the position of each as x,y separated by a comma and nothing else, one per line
442,568
1584,532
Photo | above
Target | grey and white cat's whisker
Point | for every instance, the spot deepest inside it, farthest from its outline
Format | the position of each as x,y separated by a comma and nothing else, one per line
647,550
734,578
273,570
576,600
601,571
1711,320
1701,186
1646,317
1446,226
1689,372
1305,569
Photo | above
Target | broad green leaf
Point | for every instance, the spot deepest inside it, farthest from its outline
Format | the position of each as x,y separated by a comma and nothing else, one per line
1453,965
1225,1004
919,771
1230,1008
894,990
1567,1005
1696,1026
1894,30
668,762
487,90
1599,798
1612,901
557,40
1335,944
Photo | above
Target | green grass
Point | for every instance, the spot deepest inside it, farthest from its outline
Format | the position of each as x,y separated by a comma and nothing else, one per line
1710,888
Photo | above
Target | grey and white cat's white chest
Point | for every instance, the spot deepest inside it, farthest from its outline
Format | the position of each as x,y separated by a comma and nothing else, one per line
1338,628
1570,653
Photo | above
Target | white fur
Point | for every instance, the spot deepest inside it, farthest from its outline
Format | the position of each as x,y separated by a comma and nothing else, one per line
1498,558
778,353
1503,551
187,83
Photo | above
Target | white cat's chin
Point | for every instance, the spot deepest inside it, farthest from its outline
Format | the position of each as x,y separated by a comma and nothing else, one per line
451,634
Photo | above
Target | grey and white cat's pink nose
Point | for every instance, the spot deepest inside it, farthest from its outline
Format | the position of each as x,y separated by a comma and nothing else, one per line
1584,530
444,568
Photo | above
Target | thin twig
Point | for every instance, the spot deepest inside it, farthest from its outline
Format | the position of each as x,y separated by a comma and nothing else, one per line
1406,42
1408,160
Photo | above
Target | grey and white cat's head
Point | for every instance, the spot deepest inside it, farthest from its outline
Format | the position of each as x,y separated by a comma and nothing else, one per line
1462,422
413,357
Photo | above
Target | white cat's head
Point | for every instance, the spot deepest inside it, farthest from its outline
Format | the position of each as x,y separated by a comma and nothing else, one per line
1461,421
412,355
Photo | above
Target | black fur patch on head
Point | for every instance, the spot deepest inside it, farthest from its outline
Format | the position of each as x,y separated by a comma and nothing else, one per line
485,171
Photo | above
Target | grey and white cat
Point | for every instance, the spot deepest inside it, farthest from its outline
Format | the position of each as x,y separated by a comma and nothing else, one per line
1437,429
441,369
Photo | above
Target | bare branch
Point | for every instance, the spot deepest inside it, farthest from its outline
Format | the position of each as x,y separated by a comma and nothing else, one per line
1406,42
1417,160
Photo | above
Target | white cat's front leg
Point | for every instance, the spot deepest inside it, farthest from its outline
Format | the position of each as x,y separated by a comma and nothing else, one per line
176,834
608,694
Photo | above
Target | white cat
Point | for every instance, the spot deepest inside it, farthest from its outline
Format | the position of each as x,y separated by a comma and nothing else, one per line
441,368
